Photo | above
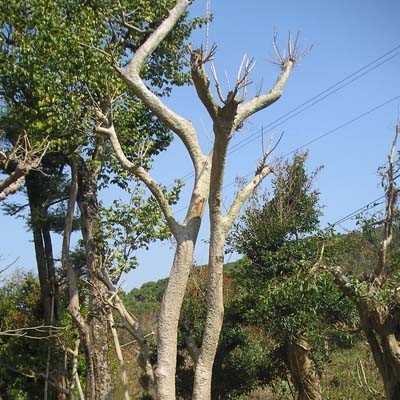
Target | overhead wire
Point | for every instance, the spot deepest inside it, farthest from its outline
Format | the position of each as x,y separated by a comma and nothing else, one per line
325,134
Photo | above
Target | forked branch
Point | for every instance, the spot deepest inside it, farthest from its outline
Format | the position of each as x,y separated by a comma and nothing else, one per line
131,73
286,61
198,58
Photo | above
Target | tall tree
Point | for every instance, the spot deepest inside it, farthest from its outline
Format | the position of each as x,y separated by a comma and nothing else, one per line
278,292
52,80
375,292
228,113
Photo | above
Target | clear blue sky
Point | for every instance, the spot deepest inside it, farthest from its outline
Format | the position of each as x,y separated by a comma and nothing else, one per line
346,36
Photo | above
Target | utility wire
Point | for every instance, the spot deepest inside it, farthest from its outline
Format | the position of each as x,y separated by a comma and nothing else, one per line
331,131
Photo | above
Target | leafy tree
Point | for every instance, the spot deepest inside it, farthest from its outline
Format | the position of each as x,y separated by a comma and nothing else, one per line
374,285
22,359
279,292
51,83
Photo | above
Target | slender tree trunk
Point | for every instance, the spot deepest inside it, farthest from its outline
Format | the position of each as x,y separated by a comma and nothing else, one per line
169,315
303,371
99,381
214,320
215,299
118,352
47,279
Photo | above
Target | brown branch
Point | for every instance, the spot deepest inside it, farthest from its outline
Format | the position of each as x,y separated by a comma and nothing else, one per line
191,345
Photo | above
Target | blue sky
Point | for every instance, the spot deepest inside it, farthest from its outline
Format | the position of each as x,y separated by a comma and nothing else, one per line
346,36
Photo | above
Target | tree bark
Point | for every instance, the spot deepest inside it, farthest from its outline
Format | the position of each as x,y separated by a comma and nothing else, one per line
385,347
47,277
215,300
303,371
169,315
98,382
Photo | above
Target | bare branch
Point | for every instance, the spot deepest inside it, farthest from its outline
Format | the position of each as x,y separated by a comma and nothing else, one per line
74,306
50,331
216,82
137,170
131,73
191,345
133,327
243,195
260,102
286,63
201,81
26,158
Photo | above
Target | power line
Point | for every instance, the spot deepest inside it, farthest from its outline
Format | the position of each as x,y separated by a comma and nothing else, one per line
349,122
325,134
371,204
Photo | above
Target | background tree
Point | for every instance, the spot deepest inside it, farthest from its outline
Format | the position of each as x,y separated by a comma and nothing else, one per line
278,293
52,80
374,292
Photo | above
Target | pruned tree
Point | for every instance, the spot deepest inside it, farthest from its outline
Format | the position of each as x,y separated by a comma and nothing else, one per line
375,293
227,113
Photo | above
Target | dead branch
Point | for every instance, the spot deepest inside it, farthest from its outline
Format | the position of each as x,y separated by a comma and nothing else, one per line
50,331
198,58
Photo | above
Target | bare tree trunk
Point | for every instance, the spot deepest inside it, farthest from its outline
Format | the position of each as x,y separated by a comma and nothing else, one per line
98,309
169,316
303,371
47,279
227,119
386,352
215,299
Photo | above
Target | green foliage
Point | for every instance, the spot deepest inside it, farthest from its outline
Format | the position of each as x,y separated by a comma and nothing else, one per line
280,291
126,227
19,356
145,299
